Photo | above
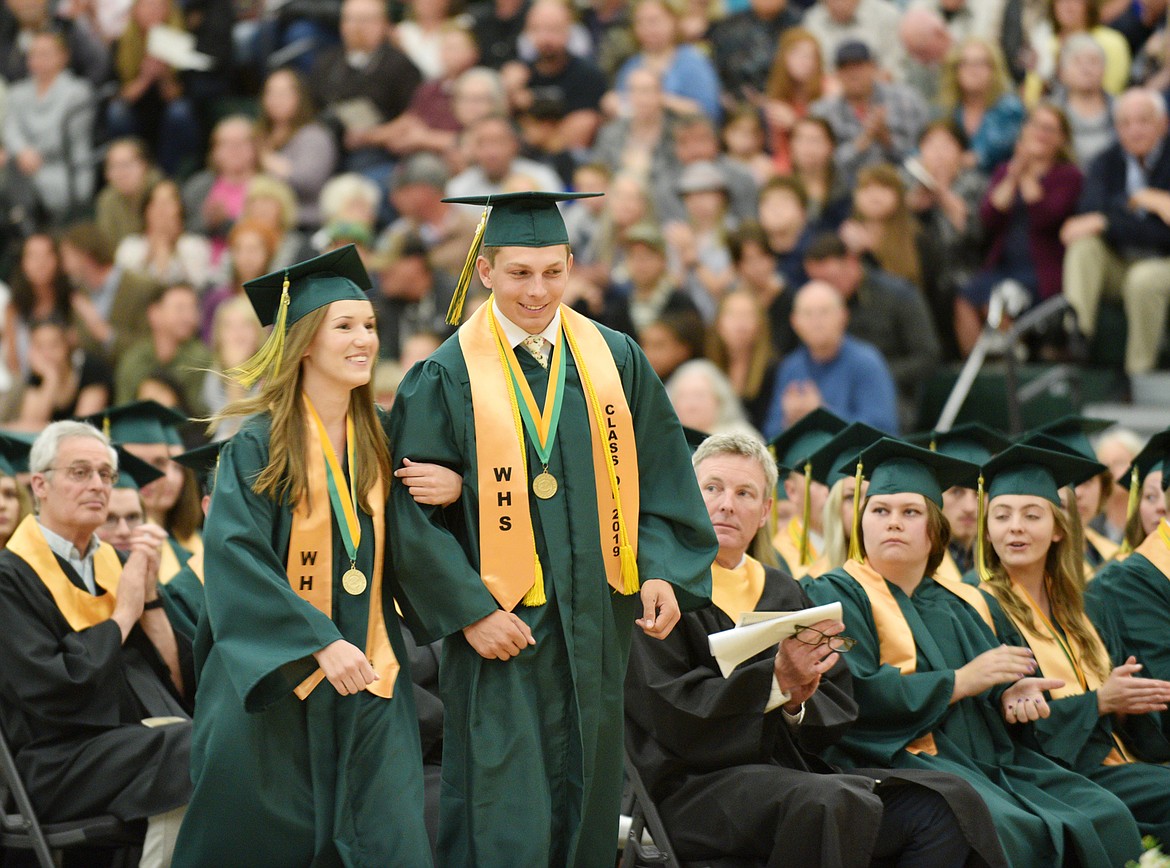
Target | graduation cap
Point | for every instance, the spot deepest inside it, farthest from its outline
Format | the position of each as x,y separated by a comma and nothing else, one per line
140,422
1073,433
834,461
204,460
897,467
694,437
972,442
133,472
13,454
792,449
528,219
280,298
1043,441
1155,455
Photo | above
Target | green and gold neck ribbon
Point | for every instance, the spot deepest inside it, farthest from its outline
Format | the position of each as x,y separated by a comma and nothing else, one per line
343,500
540,424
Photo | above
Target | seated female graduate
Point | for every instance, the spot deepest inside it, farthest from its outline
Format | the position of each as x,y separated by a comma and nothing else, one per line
930,677
1131,599
1100,715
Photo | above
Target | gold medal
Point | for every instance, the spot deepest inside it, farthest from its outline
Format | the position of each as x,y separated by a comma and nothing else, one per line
354,582
544,485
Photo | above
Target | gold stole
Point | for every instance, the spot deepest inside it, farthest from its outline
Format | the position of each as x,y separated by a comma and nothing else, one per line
195,564
948,569
1155,548
1104,546
81,608
506,561
787,543
168,564
895,639
1057,660
310,564
739,590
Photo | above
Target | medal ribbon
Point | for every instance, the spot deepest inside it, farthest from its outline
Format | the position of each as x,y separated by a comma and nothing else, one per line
541,425
344,508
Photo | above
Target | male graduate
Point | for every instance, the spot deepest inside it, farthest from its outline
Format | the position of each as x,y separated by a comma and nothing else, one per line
579,515
733,763
799,543
89,655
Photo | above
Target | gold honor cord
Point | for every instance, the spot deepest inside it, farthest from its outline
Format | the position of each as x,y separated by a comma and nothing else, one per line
343,500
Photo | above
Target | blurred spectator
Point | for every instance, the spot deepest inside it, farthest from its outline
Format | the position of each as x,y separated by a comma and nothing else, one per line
583,218
364,84
1119,242
349,198
795,82
273,204
813,146
421,35
873,22
166,252
1116,449
540,140
1065,18
744,141
494,146
1082,96
497,25
418,346
251,248
557,77
236,335
703,399
294,146
1028,200
129,174
173,347
884,311
699,244
413,295
756,274
673,338
830,369
108,300
926,41
640,139
744,44
151,102
873,121
944,195
740,345
967,17
976,93
416,191
64,381
881,227
40,290
48,130
627,204
214,198
651,291
696,141
688,78
20,19
784,221
610,31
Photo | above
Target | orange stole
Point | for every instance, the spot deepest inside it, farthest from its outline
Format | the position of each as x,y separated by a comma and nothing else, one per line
310,565
739,590
895,639
1155,548
168,564
80,608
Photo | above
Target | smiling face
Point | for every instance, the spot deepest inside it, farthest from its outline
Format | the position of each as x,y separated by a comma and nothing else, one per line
735,492
528,282
1022,528
895,530
343,351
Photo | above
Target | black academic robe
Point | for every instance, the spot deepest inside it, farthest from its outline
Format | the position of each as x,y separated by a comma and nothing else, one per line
731,779
72,702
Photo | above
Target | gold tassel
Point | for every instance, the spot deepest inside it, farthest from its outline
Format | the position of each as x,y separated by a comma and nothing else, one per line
266,362
455,311
855,534
805,516
535,595
106,426
980,531
933,443
630,582
1131,508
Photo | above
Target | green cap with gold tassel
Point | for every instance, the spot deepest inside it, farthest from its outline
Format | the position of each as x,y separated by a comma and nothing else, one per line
1154,457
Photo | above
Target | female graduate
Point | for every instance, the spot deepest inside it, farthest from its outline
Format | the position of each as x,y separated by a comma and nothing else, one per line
930,676
14,501
827,465
1032,571
306,746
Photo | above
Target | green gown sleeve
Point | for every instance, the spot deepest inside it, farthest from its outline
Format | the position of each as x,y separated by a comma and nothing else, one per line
265,633
182,599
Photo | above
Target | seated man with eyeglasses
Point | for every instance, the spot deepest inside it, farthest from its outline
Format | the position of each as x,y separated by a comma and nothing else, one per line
733,763
95,687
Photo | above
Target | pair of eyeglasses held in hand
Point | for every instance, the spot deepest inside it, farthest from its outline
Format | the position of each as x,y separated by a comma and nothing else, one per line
814,637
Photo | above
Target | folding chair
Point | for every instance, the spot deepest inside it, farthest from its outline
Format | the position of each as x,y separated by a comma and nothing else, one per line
22,831
645,815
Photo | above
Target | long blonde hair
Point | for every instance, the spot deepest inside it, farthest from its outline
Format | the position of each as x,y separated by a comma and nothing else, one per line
1064,578
895,251
949,96
285,477
833,530
762,353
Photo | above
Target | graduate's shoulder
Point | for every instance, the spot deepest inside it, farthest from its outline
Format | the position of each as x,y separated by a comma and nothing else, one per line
832,586
250,443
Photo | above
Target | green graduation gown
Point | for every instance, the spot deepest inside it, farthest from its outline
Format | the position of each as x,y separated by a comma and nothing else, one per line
331,780
1078,737
532,762
1040,809
182,599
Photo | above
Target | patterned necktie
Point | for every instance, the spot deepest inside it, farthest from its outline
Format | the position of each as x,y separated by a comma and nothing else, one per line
535,345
